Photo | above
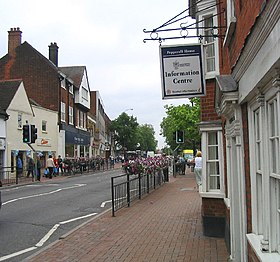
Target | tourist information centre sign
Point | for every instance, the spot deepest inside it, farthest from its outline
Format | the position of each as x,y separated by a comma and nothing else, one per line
182,71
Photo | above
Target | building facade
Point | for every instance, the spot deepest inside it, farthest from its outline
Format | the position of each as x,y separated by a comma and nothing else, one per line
245,93
64,90
20,111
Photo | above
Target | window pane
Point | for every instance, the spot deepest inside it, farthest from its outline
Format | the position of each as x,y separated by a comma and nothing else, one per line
208,21
258,155
272,120
19,120
274,154
214,182
44,125
212,138
210,65
213,153
259,204
210,50
257,132
214,168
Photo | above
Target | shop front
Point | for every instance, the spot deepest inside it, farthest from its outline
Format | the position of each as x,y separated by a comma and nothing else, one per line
77,142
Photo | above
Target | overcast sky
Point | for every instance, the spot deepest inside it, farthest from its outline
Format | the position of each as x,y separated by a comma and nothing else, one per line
106,36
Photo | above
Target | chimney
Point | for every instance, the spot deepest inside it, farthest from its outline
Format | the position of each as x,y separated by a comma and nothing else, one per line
14,39
53,53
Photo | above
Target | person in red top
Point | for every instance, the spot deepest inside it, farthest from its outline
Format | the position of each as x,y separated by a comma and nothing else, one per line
56,167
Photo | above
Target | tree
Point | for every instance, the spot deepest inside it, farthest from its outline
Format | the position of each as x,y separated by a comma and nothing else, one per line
186,118
146,137
125,129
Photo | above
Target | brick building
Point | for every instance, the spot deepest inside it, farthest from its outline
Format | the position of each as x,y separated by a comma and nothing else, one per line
61,89
240,125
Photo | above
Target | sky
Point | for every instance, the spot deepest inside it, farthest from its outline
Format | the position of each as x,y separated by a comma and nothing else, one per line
106,36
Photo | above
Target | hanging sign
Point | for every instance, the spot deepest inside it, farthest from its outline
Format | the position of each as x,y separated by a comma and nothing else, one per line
182,71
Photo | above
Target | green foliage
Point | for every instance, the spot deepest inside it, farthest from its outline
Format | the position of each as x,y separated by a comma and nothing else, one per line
184,117
131,136
125,129
146,138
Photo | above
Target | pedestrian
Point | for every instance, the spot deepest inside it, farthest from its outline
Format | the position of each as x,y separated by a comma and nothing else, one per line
56,168
38,168
30,166
182,165
19,166
198,167
50,166
60,164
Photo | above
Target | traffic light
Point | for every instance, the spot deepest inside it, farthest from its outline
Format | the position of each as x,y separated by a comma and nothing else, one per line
26,134
33,134
179,136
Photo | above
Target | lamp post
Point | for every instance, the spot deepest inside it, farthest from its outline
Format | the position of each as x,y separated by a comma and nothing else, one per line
128,109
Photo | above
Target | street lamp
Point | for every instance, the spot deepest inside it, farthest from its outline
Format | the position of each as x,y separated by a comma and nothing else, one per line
128,110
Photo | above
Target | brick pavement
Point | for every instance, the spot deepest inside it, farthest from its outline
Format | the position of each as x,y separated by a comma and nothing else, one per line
165,226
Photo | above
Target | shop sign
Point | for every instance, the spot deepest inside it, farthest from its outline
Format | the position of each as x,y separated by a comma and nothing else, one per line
182,71
44,142
78,139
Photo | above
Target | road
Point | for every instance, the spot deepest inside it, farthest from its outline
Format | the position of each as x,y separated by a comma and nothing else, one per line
38,214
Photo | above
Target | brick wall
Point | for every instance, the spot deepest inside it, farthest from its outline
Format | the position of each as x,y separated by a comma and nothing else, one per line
213,207
208,112
246,13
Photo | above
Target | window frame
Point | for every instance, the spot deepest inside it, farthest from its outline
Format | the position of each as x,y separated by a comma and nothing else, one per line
205,190
85,93
62,111
19,121
71,115
203,15
265,223
231,22
44,123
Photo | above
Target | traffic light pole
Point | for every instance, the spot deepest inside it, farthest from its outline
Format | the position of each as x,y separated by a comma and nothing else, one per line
174,164
35,162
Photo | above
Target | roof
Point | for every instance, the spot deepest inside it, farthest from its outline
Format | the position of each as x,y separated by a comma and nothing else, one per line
226,83
7,92
74,72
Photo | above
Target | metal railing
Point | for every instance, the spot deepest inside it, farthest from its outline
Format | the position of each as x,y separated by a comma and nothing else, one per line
9,176
127,188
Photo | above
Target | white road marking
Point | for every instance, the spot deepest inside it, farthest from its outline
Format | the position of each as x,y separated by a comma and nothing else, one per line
42,194
17,253
45,238
55,227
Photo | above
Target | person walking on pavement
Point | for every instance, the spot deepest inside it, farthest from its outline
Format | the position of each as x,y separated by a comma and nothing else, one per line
198,168
38,168
50,166
30,166
19,166
60,164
